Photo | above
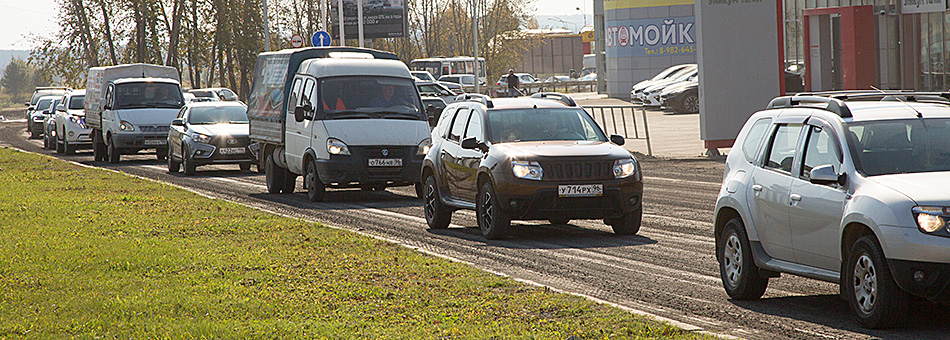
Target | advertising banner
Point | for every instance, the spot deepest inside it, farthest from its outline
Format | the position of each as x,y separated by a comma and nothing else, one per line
650,37
922,6
381,19
622,4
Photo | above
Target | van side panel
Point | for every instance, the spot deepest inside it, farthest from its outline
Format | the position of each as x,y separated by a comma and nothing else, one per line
98,78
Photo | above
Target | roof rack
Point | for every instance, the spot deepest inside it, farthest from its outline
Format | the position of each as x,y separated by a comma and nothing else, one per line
836,99
563,98
474,97
834,105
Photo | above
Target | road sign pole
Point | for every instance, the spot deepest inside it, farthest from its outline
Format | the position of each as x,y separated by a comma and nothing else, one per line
342,36
359,20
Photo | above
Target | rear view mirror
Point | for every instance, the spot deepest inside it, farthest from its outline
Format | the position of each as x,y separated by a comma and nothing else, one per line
178,122
617,139
299,114
27,104
825,174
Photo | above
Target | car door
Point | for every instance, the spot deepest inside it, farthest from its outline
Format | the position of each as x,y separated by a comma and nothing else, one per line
176,132
768,192
816,210
469,159
451,152
298,133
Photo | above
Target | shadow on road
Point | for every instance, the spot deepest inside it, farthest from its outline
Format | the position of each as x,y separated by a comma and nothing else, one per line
548,236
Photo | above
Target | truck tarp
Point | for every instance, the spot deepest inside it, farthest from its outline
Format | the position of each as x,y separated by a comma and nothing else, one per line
99,77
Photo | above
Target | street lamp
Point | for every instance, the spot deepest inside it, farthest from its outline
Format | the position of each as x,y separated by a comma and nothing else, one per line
584,13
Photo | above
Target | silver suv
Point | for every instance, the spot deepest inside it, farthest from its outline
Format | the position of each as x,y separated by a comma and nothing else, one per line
846,187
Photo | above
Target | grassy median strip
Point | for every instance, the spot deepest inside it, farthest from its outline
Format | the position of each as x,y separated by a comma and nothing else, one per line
91,253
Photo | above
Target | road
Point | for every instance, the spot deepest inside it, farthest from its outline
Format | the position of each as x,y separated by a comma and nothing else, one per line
669,269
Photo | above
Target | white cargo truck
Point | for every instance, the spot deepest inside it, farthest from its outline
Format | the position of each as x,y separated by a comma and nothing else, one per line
341,117
130,108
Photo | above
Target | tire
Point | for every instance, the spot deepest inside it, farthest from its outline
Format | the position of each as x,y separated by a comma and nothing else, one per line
491,219
874,297
628,224
689,104
737,269
112,152
290,182
559,220
160,154
46,143
420,190
187,162
273,175
97,147
316,191
33,133
173,165
60,148
68,149
438,216
245,167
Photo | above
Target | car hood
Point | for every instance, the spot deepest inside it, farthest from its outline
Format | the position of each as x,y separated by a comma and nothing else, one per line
680,87
148,116
238,130
356,132
647,83
660,86
561,149
923,188
78,113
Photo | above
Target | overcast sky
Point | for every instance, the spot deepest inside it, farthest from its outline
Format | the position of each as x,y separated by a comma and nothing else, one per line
21,19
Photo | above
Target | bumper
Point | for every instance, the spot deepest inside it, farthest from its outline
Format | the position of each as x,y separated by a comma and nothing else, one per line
78,135
139,141
928,280
349,171
530,200
204,154
37,125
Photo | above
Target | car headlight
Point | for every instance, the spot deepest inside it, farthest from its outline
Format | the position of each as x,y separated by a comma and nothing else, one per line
337,147
527,170
424,147
38,118
624,168
126,126
78,121
202,138
931,219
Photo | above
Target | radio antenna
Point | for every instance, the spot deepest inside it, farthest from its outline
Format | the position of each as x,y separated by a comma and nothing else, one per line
919,115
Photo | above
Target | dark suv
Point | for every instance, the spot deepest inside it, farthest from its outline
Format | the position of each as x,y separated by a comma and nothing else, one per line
528,159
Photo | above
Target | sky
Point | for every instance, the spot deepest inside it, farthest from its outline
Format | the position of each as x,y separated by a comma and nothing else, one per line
21,19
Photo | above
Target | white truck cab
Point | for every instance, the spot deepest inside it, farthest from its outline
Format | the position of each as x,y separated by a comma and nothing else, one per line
342,117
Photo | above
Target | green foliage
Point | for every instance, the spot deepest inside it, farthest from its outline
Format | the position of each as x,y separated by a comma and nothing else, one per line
19,79
86,253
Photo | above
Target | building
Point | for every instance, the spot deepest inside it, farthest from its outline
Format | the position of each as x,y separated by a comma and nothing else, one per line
555,52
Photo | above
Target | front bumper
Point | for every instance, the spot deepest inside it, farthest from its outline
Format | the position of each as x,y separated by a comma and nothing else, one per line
204,154
353,169
539,200
76,134
928,280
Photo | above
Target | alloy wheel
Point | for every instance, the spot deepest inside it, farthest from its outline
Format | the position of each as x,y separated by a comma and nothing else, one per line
864,282
732,260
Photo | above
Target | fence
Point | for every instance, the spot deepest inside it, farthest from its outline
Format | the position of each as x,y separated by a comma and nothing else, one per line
622,120
562,86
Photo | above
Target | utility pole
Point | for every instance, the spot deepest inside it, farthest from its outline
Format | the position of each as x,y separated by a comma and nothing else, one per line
475,41
342,36
359,20
266,29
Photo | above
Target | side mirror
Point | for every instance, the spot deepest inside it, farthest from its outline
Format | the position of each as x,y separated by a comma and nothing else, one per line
27,104
107,107
46,112
825,174
430,111
617,139
178,122
61,108
299,114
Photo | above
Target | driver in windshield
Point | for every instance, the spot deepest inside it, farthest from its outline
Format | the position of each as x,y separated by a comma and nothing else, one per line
161,95
388,97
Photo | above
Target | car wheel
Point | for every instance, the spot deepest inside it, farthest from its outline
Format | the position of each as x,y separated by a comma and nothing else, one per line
33,133
187,162
290,182
46,142
438,216
874,297
97,148
491,218
420,190
273,174
628,224
112,152
559,220
68,149
689,104
173,165
59,147
160,154
740,276
245,167
316,191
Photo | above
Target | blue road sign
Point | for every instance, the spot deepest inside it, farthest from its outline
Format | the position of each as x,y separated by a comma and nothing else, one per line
320,39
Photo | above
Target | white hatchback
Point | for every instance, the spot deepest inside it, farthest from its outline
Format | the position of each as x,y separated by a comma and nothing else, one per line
851,188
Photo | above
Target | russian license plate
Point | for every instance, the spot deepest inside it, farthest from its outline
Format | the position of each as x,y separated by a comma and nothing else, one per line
385,162
232,151
588,190
155,142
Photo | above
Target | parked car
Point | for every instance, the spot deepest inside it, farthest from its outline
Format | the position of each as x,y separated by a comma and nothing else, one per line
209,133
423,75
588,77
650,96
525,78
665,76
556,79
841,188
70,130
431,89
44,106
528,159
214,94
683,98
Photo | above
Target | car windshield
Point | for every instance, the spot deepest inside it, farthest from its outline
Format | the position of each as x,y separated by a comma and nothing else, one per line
667,72
900,146
529,125
356,97
218,115
76,102
43,104
148,95
227,94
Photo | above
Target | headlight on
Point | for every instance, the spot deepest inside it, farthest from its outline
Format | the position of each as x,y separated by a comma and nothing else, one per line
424,147
337,147
78,121
126,126
527,170
202,138
931,219
624,168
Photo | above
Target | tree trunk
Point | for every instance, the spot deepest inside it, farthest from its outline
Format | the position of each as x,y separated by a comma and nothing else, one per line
172,59
108,32
139,17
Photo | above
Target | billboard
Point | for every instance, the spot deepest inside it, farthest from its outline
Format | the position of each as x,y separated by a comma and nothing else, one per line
624,4
381,19
650,37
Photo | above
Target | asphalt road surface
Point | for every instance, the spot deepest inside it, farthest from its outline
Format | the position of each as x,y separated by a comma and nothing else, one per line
669,269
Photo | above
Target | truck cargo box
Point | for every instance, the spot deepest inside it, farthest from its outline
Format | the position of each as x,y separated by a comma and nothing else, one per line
98,79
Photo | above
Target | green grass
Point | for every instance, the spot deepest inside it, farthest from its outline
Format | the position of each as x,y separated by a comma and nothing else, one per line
89,253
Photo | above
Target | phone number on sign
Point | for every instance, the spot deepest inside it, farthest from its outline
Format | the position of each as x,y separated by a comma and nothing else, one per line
671,50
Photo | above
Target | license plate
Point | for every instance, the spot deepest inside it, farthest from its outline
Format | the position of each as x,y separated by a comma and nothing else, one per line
155,142
232,151
589,190
385,162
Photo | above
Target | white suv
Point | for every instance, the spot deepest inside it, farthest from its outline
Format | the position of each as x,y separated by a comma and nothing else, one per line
845,187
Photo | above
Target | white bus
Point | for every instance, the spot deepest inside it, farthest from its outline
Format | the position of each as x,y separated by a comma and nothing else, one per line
441,66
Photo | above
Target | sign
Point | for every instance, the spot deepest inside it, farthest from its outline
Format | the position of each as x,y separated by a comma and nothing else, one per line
650,37
381,19
587,36
296,41
320,39
922,6
624,4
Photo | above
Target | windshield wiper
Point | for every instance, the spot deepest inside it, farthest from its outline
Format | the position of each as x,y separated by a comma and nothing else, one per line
132,106
350,114
401,114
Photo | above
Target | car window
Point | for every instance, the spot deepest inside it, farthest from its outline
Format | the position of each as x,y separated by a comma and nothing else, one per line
429,89
444,121
474,128
181,113
753,138
458,126
820,150
782,148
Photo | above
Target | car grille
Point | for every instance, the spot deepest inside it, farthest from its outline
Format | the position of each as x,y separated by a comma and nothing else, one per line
391,152
223,141
576,171
154,128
